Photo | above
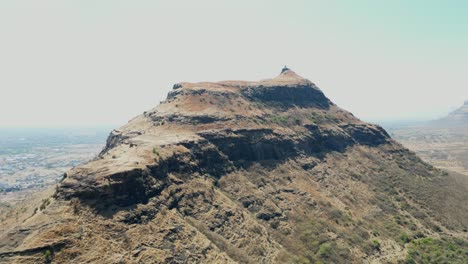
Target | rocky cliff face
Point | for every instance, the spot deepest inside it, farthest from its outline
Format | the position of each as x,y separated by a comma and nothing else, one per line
243,172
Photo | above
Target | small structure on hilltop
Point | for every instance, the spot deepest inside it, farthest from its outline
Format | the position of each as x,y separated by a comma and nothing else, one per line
285,68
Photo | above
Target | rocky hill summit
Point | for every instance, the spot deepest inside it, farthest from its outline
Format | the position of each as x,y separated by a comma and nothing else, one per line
247,172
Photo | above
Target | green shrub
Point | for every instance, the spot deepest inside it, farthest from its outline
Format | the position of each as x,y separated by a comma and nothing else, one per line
281,120
64,177
405,238
156,151
430,250
48,256
376,245
325,250
319,118
298,121
44,204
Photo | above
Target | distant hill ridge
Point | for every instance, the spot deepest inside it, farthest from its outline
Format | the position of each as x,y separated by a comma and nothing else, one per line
459,117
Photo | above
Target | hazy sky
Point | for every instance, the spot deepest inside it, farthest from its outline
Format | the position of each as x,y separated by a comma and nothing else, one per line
91,62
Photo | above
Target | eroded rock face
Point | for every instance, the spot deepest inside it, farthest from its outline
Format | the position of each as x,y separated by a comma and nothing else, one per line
302,95
241,172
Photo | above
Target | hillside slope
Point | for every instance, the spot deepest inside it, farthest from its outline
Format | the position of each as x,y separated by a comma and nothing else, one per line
248,172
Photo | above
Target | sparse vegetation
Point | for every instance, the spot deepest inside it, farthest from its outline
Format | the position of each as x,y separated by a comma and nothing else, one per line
156,151
405,238
281,120
64,177
430,250
319,247
219,241
258,104
45,203
372,247
298,121
320,118
375,245
47,256
75,204
297,118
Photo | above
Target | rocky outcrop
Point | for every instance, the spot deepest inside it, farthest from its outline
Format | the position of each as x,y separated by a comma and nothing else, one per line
302,95
243,172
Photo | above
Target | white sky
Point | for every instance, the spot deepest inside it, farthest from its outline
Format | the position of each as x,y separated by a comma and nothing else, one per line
91,62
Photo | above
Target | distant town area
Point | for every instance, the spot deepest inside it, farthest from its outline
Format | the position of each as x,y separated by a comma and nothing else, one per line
34,159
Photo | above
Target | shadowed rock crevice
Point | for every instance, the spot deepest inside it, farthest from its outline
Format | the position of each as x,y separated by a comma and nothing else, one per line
220,153
243,146
188,120
288,96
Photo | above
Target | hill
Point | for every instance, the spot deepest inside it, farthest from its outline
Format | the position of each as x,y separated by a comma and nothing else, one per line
457,118
248,172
